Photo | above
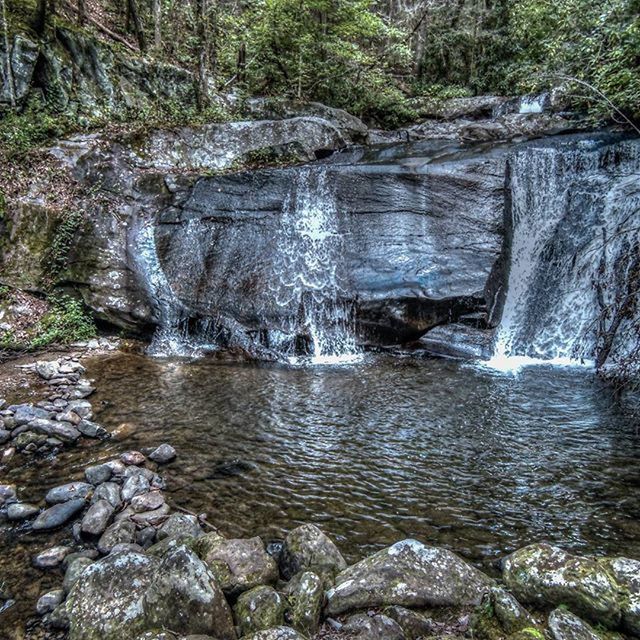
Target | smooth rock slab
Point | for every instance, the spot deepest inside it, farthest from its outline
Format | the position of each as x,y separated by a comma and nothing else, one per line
58,515
564,625
408,574
67,492
308,548
544,575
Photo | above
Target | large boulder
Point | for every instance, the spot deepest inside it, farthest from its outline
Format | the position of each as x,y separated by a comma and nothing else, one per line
238,564
545,575
106,602
308,548
186,598
128,593
408,574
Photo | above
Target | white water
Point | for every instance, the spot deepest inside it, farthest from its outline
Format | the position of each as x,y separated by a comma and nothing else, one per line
572,220
309,281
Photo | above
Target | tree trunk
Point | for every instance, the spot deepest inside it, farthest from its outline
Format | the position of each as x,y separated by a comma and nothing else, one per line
242,64
8,69
137,24
82,12
157,24
202,92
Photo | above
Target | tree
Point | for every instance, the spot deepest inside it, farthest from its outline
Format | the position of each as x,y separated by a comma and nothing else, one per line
82,12
134,15
8,70
156,10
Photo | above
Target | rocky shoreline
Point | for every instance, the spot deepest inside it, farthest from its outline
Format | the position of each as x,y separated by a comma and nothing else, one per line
139,567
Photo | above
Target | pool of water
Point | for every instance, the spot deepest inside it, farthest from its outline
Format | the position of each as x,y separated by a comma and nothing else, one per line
455,455
475,460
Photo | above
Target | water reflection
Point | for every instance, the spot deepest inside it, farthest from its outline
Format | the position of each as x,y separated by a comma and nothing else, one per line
464,457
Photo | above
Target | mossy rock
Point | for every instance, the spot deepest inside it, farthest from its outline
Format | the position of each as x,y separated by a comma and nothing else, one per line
259,609
305,598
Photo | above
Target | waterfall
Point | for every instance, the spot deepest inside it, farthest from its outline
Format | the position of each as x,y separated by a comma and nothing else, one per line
309,282
573,222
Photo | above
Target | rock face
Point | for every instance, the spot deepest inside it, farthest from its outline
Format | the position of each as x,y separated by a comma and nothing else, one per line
546,575
408,574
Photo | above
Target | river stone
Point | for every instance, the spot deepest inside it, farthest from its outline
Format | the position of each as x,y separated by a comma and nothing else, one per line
7,493
134,486
307,547
70,416
180,525
82,407
408,574
564,625
126,547
97,518
413,623
259,609
277,633
98,474
92,554
239,564
627,574
21,511
147,501
5,436
186,598
92,430
62,430
121,531
151,518
544,575
58,514
377,627
107,601
109,491
47,369
133,458
163,454
67,492
305,597
74,570
49,601
24,413
50,558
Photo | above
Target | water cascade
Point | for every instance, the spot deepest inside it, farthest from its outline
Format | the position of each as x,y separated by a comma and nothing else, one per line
310,281
572,242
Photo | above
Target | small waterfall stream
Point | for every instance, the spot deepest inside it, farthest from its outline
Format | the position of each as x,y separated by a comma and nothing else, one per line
574,235
309,273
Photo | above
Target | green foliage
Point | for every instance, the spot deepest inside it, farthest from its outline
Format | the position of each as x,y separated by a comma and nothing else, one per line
340,52
58,252
34,127
65,323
